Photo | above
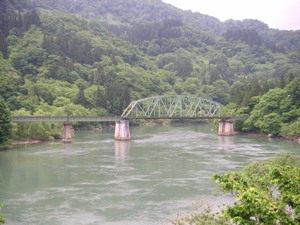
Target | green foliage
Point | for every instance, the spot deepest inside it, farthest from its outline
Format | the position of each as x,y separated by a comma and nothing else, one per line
20,130
260,115
221,92
8,79
276,112
2,220
5,126
291,129
270,124
249,36
293,91
267,192
47,130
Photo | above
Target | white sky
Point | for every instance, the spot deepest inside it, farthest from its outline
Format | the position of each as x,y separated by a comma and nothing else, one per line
280,14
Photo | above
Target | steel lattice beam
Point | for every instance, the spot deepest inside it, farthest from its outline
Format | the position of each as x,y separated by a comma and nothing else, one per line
174,106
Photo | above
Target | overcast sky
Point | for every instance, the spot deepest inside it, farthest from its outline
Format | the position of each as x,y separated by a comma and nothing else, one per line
280,14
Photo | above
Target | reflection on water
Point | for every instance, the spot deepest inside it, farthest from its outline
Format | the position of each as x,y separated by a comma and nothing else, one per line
68,147
122,149
226,140
162,171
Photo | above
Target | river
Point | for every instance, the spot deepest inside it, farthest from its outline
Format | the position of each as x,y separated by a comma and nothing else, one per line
163,171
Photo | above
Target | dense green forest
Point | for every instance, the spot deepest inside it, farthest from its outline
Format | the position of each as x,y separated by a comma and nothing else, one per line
92,57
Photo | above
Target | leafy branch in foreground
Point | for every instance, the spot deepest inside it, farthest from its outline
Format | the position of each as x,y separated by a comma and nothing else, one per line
267,192
2,220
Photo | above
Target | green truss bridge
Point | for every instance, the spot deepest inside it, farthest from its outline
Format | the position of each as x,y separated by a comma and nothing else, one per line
158,107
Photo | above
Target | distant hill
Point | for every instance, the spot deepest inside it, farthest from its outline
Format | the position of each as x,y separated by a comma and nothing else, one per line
140,48
121,13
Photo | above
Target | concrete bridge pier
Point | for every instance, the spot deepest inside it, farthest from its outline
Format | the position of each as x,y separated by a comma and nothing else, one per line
226,127
122,132
67,138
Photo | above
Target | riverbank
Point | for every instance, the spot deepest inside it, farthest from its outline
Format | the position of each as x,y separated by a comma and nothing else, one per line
270,136
25,142
168,123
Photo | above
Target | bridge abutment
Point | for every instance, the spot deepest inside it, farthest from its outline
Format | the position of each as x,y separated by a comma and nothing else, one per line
226,127
67,138
122,132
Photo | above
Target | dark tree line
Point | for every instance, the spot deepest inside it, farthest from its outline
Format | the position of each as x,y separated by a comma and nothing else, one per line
76,48
241,93
21,21
16,24
168,29
113,96
248,36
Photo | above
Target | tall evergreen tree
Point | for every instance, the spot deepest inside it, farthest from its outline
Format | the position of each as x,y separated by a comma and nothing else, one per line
101,98
125,97
291,76
81,99
3,46
282,82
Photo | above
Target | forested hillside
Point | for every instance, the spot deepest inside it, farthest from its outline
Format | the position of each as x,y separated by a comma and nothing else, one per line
92,57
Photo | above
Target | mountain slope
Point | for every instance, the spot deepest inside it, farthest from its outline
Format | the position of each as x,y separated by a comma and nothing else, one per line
181,51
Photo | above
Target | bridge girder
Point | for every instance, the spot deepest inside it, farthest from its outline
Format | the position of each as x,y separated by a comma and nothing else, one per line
173,106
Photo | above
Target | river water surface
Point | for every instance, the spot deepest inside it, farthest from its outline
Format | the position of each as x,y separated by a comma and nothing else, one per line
161,172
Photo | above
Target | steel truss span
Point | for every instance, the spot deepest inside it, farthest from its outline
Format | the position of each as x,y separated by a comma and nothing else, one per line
174,106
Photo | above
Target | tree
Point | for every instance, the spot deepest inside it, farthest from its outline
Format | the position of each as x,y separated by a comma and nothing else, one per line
81,99
5,125
221,92
270,124
100,100
219,68
282,82
183,66
21,130
267,192
125,97
291,129
3,46
8,79
253,89
293,90
41,131
268,104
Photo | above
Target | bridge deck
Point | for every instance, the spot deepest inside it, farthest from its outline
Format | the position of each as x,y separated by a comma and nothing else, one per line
179,117
103,118
65,118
